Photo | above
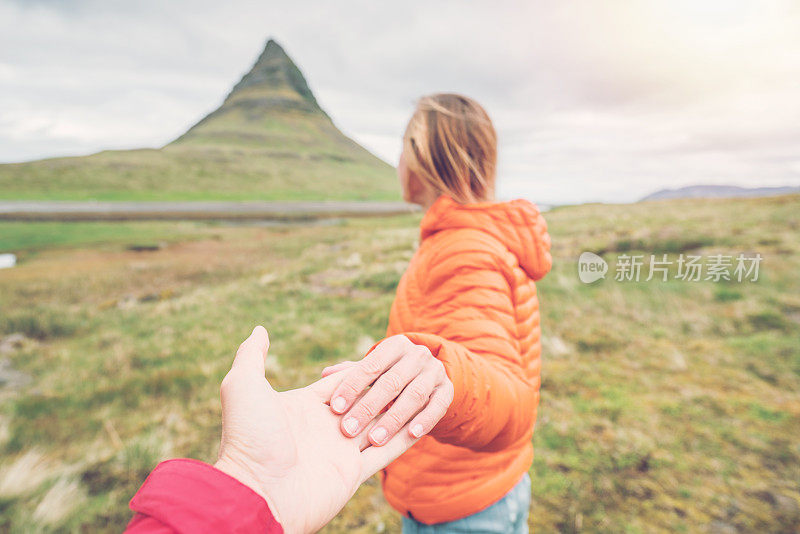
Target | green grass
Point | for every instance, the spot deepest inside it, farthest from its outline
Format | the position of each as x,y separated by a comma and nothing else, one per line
666,406
21,237
203,172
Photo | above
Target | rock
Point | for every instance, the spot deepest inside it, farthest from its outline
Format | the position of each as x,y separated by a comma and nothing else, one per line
7,261
677,361
721,527
555,346
789,511
10,377
164,294
127,302
733,509
353,260
146,247
13,343
786,508
267,278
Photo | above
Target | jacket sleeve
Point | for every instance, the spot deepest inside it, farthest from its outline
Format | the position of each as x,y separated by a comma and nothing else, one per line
470,325
190,496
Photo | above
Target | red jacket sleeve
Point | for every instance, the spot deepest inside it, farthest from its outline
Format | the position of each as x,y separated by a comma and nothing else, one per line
191,496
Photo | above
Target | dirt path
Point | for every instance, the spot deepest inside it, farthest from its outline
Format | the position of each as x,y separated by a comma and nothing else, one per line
122,211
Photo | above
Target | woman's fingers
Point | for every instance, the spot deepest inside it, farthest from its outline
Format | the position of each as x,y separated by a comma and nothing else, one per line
365,372
437,407
325,386
386,389
376,458
335,368
363,438
410,402
398,372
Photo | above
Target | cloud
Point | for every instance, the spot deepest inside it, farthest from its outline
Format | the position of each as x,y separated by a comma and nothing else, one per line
593,101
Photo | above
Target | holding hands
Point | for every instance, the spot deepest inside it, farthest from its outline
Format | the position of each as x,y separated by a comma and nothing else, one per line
302,457
287,446
396,372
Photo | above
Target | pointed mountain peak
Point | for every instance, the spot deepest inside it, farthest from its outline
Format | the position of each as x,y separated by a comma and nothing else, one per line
273,97
272,48
275,72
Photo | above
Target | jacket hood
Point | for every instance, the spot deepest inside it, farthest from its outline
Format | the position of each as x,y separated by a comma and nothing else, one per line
517,224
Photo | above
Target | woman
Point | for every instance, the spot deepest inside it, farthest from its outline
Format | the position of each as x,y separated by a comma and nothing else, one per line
469,298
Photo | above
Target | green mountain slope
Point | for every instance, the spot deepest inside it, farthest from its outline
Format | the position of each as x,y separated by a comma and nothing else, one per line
269,140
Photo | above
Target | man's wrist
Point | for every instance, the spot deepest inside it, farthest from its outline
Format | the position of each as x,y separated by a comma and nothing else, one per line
244,476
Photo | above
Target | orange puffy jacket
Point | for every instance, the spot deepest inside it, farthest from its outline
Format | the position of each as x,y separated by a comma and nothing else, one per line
469,296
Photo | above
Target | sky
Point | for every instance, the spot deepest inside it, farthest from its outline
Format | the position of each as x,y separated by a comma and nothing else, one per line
593,101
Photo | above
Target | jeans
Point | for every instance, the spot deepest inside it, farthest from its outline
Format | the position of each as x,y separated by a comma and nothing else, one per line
509,515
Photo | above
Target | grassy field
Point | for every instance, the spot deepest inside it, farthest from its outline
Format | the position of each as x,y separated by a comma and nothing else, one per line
666,406
189,172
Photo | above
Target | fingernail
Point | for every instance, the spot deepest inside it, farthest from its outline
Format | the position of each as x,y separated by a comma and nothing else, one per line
351,425
338,404
379,434
416,430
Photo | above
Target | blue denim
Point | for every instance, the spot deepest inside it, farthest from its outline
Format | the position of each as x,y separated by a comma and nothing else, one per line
509,515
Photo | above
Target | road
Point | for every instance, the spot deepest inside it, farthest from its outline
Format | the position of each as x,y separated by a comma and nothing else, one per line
23,210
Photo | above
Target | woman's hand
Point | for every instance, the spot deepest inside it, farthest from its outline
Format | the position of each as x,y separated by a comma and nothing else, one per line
397,370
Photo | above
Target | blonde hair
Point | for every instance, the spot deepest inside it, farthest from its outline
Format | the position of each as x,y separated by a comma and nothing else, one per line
452,146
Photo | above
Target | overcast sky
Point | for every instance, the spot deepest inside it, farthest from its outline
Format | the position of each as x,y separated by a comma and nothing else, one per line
593,100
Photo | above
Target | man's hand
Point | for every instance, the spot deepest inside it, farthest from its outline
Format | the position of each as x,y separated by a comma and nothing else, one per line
288,447
399,372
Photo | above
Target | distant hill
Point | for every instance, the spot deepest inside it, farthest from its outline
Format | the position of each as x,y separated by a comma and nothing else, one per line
269,140
720,191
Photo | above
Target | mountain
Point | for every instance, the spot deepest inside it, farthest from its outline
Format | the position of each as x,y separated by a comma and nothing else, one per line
271,106
719,191
269,140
